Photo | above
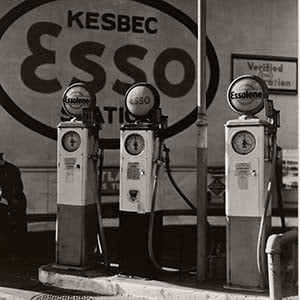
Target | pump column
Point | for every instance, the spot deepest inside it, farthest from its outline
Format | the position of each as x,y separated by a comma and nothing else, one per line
247,171
246,182
76,232
140,183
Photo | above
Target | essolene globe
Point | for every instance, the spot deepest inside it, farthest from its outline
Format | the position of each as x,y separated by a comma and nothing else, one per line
246,94
75,98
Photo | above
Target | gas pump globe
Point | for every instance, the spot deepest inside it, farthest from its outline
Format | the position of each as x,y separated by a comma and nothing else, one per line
248,153
76,234
140,162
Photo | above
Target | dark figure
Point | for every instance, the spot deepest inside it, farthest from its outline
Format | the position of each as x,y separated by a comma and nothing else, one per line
11,186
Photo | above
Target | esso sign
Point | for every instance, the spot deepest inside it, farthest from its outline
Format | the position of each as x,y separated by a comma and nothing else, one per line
108,45
140,100
75,98
246,94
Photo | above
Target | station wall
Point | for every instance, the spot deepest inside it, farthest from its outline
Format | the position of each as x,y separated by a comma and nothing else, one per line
46,45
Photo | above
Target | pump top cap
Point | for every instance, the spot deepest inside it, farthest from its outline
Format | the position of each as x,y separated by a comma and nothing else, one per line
246,94
140,99
75,98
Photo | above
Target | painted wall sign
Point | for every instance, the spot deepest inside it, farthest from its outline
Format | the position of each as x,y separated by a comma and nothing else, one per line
279,73
290,173
110,181
215,181
109,45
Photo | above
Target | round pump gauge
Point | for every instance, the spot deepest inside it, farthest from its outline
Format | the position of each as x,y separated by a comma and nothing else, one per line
134,144
243,142
71,141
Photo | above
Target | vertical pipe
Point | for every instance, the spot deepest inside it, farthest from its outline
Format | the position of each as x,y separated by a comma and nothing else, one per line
298,125
201,145
273,249
295,263
274,276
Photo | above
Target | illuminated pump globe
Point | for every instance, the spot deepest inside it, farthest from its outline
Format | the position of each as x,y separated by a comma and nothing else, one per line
76,97
246,95
140,99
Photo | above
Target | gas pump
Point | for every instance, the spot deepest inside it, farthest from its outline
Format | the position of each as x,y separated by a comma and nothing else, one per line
250,158
140,180
77,190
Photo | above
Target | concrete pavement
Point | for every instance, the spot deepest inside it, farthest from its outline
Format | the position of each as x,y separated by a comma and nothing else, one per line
18,294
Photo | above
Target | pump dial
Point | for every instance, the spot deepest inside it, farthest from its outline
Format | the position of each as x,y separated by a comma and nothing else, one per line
243,142
71,141
134,144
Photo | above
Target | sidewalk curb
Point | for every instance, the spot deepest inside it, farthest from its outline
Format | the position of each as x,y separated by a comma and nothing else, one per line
101,285
126,286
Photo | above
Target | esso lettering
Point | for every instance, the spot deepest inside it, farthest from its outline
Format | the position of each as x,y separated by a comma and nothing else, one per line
122,59
140,100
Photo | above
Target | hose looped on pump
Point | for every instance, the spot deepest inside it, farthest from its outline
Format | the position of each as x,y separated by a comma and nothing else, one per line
102,245
178,190
278,190
260,249
158,165
183,196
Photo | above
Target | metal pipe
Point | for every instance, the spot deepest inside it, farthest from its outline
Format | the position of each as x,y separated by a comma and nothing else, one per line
273,250
201,145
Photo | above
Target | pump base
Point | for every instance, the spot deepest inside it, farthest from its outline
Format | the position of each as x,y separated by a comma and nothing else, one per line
244,288
242,235
76,236
133,243
74,268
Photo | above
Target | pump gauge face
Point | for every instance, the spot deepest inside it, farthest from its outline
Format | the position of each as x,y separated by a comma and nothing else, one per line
134,144
71,141
243,142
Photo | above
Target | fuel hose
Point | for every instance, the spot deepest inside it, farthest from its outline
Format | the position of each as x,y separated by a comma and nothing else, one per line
176,187
260,249
158,165
184,197
278,171
102,245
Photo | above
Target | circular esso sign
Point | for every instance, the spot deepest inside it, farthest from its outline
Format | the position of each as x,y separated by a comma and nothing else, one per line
109,46
75,98
140,99
246,94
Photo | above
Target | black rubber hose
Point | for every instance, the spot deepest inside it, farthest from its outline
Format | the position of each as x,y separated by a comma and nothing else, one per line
183,196
101,234
278,190
178,190
151,226
151,220
260,249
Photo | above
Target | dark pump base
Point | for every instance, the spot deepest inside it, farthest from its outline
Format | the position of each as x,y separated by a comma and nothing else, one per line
134,259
